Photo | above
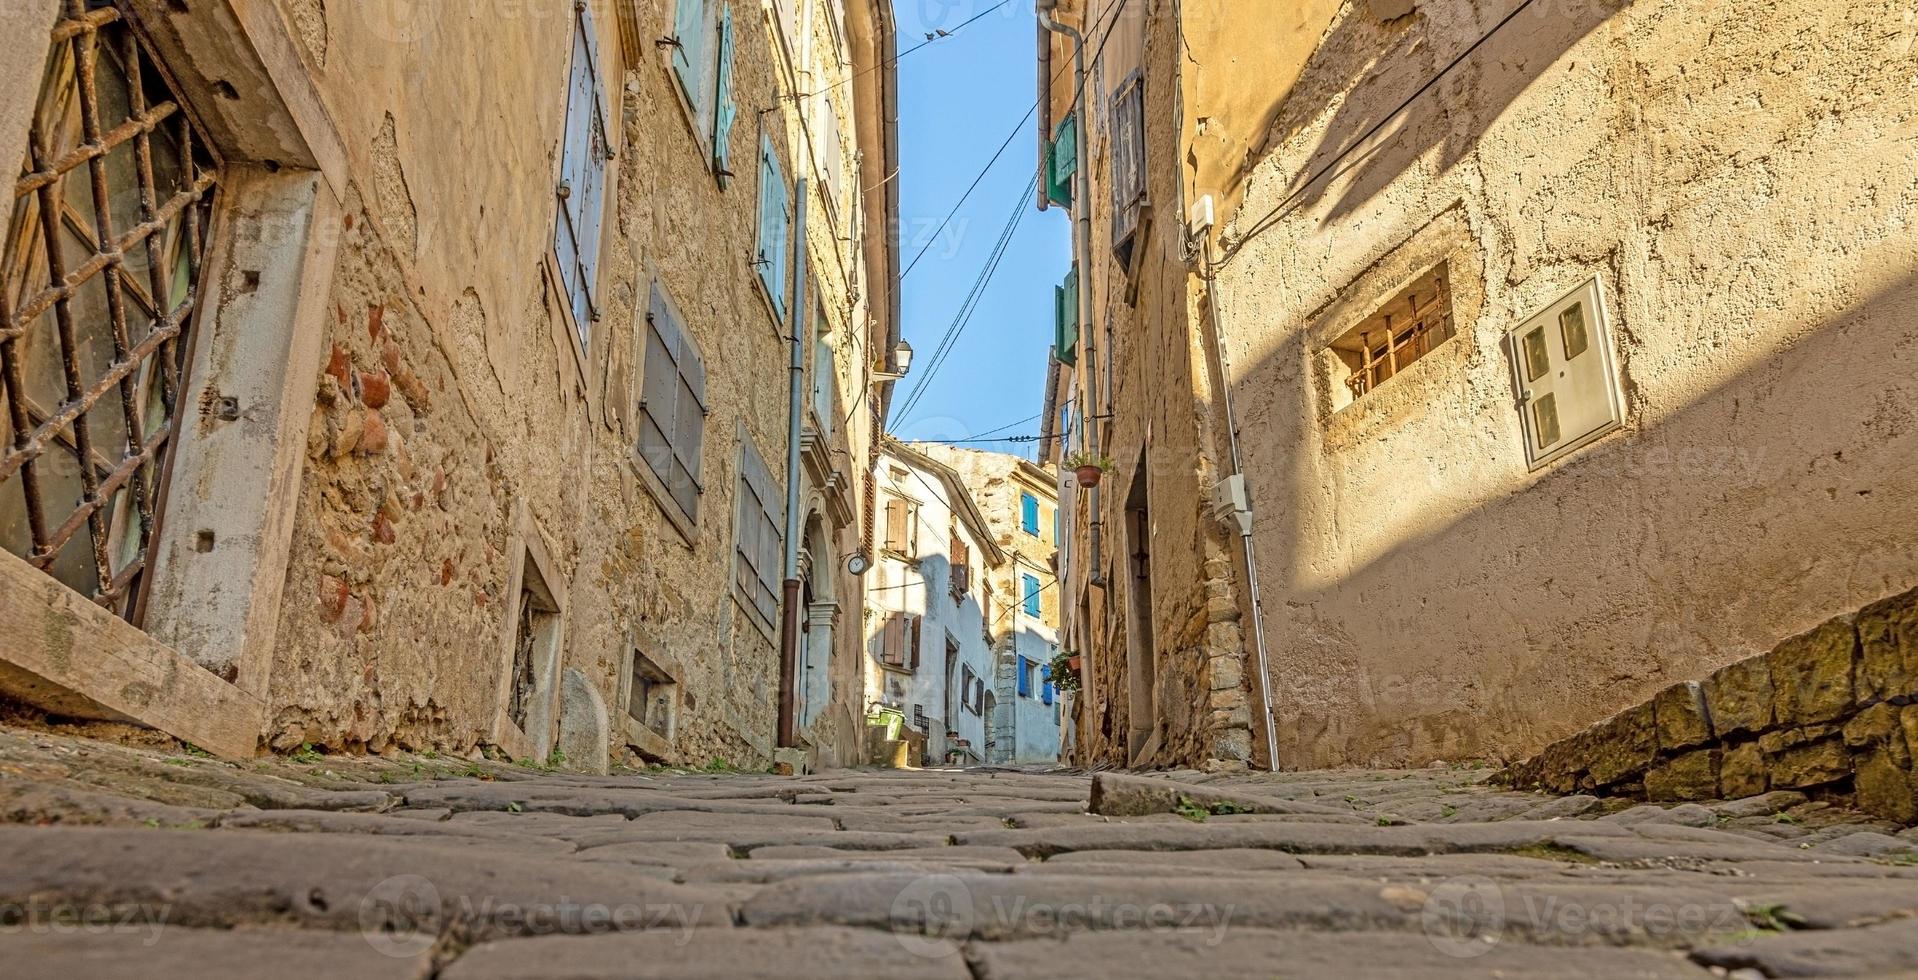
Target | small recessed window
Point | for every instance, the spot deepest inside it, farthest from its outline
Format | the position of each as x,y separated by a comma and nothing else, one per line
1405,329
1562,364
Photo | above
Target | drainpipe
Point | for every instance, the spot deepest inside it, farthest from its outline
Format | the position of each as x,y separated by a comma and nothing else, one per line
1082,249
1245,524
1045,106
789,619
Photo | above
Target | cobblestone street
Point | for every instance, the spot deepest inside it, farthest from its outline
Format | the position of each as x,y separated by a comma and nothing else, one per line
119,860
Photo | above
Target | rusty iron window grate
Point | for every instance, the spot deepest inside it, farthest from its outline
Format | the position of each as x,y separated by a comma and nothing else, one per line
101,278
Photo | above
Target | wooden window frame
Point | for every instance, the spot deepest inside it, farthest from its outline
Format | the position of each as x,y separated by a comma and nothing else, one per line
664,323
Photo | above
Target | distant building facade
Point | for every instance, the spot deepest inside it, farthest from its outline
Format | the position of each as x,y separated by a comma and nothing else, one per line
929,606
1020,501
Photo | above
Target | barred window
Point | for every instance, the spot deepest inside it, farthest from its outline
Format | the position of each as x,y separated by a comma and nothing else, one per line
101,274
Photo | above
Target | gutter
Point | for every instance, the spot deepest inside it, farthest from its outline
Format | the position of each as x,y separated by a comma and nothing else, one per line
1045,107
795,405
889,113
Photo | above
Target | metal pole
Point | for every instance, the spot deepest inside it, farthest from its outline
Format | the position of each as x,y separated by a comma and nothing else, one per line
789,616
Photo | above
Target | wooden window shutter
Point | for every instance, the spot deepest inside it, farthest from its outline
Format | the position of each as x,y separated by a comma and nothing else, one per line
896,525
1065,310
1065,161
582,177
892,640
727,109
689,29
1128,163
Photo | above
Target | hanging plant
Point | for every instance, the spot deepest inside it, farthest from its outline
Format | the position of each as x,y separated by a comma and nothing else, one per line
1064,671
1090,468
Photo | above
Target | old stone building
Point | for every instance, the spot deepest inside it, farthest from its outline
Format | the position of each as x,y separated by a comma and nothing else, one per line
1472,371
395,375
930,609
1020,503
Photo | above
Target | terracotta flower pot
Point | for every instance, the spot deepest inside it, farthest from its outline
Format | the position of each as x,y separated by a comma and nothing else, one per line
1073,663
1089,476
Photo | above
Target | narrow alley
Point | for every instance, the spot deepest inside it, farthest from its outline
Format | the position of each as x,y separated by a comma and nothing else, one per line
128,861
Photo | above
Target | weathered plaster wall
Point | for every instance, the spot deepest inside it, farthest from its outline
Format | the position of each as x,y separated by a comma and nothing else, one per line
1741,175
395,601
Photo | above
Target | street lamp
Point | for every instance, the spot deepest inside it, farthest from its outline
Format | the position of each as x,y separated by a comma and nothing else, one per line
901,364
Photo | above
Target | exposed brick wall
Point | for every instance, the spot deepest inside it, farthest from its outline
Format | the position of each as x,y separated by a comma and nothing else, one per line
1833,712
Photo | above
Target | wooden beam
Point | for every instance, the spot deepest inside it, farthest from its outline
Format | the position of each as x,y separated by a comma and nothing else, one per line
66,655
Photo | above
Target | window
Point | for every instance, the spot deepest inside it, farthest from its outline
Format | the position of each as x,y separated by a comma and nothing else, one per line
703,67
775,228
1029,590
1128,165
1561,361
1025,678
672,406
582,179
1063,161
80,474
832,152
652,697
536,623
966,686
1406,328
902,527
900,639
825,379
757,536
1029,513
961,558
1065,319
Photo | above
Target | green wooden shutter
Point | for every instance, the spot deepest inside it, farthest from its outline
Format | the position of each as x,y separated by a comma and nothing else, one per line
1064,161
728,110
1066,317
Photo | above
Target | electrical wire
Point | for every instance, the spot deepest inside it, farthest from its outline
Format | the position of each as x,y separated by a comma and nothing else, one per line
1292,201
970,305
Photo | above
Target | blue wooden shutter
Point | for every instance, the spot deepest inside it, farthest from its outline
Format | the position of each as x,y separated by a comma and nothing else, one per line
1029,505
689,28
1030,584
728,110
1025,678
774,222
583,177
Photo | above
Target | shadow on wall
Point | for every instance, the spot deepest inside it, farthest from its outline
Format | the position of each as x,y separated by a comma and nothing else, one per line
1695,536
1365,135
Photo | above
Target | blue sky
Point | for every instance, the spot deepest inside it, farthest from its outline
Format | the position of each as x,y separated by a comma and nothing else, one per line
959,98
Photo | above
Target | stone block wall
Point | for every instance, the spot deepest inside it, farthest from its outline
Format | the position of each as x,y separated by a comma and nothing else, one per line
1832,712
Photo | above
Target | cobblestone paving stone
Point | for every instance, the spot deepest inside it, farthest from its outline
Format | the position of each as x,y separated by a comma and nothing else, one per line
152,861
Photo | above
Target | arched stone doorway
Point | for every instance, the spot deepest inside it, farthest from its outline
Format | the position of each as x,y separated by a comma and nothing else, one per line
819,610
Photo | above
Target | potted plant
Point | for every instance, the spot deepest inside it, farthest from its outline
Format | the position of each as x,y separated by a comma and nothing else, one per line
1064,672
1089,467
